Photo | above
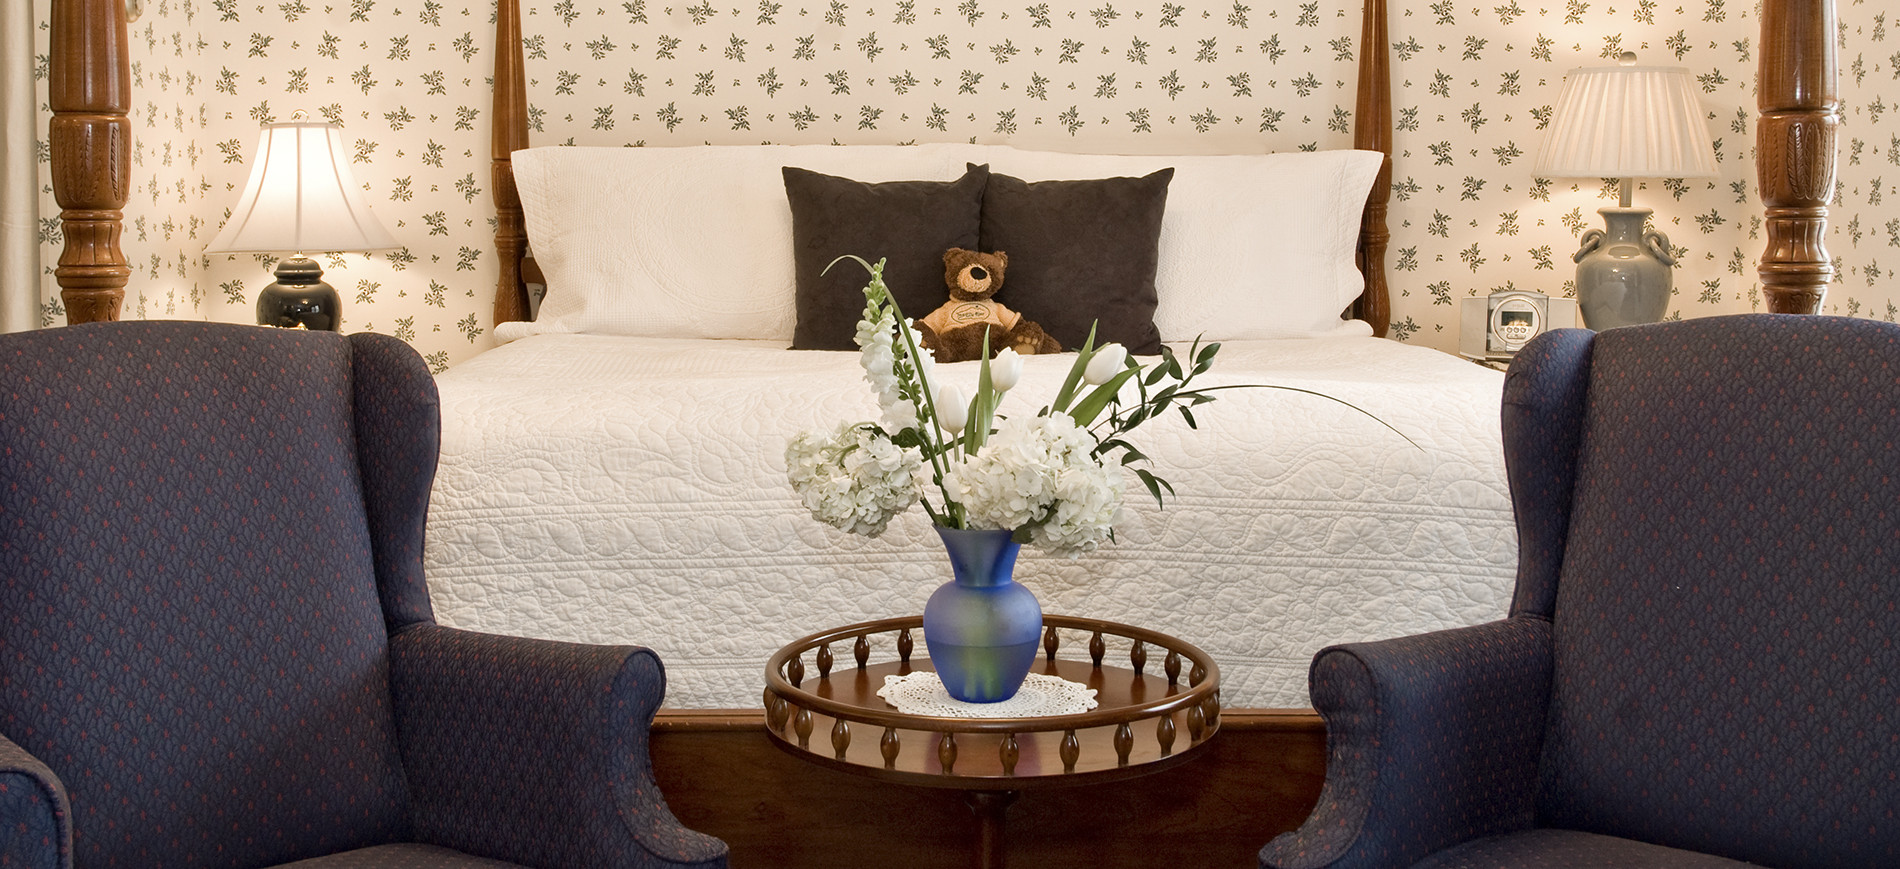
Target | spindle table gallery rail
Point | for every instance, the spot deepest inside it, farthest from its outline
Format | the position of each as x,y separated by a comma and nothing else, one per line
1147,718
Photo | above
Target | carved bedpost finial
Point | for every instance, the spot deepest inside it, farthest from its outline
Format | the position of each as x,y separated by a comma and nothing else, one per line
1372,131
510,134
90,92
1794,153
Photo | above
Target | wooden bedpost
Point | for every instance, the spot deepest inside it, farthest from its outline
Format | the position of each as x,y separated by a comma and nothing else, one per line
91,140
1372,131
510,134
1794,150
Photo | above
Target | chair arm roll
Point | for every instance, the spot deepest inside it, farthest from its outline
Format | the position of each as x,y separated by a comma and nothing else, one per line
1431,740
535,751
35,814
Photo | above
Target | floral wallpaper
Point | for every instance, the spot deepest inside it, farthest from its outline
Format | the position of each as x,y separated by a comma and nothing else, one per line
409,80
1864,219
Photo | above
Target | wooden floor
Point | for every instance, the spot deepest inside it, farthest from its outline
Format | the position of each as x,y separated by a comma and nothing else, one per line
1259,776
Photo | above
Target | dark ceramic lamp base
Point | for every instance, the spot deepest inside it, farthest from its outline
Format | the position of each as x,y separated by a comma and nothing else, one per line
300,299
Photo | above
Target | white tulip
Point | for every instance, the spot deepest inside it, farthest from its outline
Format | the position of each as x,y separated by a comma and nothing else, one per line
1105,364
1006,369
953,410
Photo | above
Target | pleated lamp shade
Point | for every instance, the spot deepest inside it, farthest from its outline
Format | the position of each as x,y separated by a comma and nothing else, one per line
301,197
1627,122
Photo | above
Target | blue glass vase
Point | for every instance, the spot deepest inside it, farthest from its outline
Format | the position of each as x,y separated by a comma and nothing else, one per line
982,629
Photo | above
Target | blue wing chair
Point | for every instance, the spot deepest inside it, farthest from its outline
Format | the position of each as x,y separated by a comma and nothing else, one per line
1700,665
217,649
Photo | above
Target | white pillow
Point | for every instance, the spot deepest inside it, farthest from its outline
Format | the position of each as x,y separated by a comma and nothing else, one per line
697,242
1252,245
681,242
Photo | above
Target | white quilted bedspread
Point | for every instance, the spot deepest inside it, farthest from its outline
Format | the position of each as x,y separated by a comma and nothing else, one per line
607,489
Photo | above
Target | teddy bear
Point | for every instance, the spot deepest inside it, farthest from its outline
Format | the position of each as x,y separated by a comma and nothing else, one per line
954,332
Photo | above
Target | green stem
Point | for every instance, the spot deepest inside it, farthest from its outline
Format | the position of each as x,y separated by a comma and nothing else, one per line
1368,413
939,465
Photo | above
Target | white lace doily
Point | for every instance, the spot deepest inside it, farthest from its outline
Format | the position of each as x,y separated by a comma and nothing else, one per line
922,693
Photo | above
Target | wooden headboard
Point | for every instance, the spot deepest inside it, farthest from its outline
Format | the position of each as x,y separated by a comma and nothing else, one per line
1372,131
90,138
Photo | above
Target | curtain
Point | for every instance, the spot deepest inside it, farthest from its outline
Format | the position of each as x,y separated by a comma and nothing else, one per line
19,173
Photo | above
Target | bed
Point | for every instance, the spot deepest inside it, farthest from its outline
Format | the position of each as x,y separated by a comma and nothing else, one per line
1282,536
1274,543
633,489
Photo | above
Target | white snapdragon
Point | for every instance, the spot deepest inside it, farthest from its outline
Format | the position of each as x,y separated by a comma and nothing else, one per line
855,479
877,354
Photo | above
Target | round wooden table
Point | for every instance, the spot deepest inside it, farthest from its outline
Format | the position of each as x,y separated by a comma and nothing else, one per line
1147,717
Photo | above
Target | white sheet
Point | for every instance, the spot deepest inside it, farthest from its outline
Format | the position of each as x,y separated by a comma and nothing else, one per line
610,489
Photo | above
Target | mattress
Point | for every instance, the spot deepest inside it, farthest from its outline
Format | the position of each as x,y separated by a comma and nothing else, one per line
632,490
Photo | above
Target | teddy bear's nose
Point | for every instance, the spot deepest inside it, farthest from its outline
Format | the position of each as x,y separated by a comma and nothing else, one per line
978,274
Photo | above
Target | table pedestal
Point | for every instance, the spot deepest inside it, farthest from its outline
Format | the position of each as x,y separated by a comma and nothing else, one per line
989,807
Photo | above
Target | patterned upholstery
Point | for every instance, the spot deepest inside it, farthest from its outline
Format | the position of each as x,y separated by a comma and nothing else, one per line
1699,663
1454,715
1569,849
35,828
212,537
562,717
398,436
1544,398
405,856
1730,602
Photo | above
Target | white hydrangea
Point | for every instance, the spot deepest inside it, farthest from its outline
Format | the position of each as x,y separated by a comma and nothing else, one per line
1088,504
855,479
1039,472
880,370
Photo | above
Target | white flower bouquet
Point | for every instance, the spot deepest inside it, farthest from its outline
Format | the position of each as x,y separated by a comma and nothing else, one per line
1054,477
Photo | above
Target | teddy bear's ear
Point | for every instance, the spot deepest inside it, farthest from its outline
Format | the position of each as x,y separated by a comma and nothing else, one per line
955,255
1002,259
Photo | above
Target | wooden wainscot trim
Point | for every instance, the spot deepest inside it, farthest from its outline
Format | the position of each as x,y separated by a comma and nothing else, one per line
1258,777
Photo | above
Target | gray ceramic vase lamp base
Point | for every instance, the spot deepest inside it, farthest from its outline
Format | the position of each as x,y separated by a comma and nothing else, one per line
1623,271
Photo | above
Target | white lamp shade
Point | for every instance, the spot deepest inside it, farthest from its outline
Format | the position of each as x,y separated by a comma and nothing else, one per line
301,198
1627,122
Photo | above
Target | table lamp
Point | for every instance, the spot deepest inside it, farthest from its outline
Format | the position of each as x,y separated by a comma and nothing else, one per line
1626,122
301,198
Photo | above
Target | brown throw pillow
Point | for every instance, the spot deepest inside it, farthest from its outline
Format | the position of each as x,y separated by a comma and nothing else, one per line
908,223
1080,251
